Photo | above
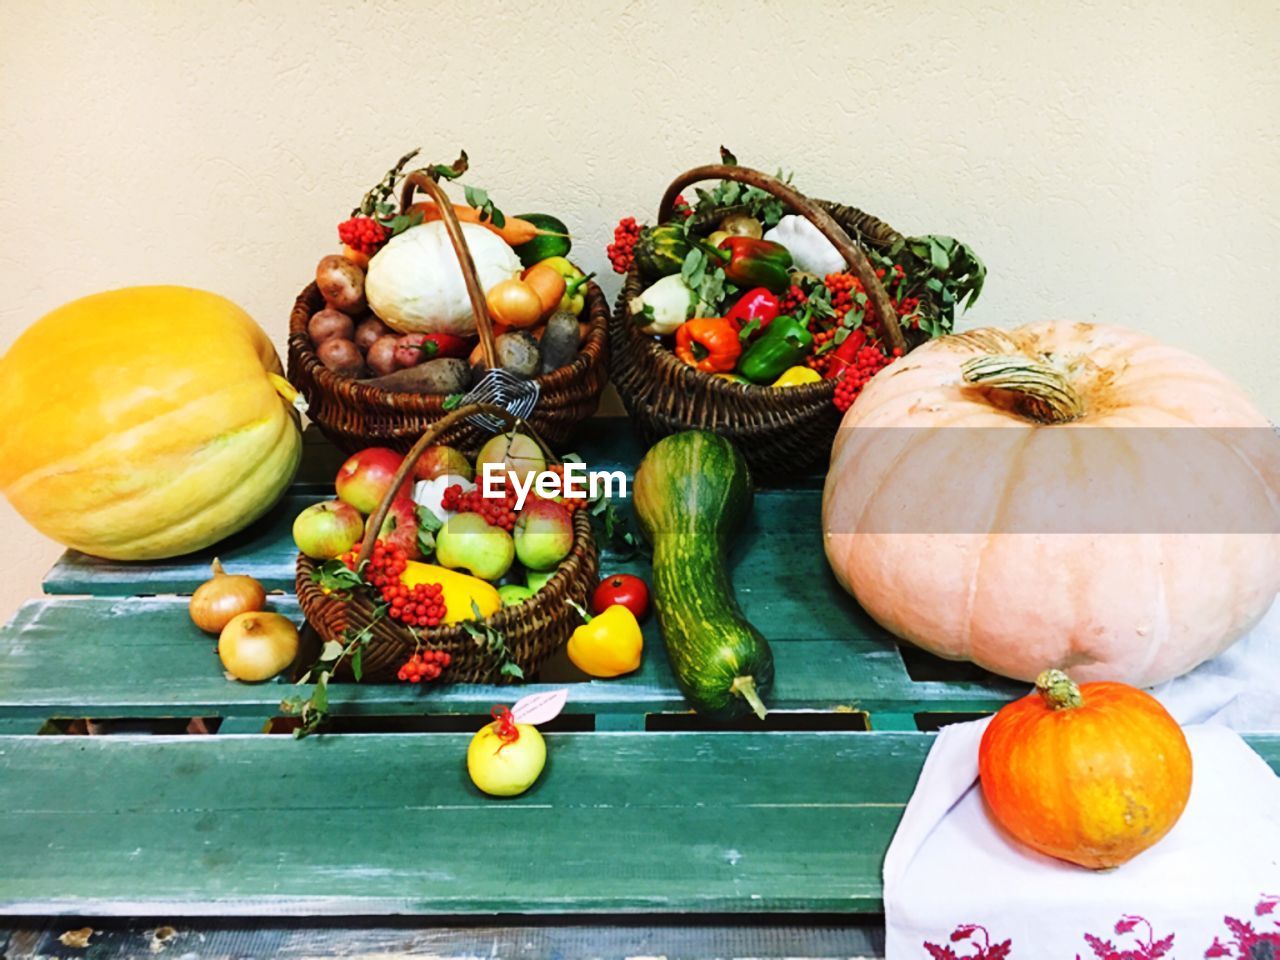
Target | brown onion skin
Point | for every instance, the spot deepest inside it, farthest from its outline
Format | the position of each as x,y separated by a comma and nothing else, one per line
218,600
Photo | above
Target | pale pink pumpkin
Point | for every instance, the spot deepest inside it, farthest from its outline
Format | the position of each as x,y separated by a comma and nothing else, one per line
918,521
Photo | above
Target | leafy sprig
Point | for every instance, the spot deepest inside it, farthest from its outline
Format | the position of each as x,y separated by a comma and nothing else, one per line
492,640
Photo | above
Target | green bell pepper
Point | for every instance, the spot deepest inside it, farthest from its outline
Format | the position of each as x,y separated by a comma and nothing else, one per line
784,344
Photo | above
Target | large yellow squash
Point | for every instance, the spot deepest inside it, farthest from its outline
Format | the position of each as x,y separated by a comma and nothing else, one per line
144,423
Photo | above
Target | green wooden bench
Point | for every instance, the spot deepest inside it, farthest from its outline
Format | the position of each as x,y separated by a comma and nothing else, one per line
644,810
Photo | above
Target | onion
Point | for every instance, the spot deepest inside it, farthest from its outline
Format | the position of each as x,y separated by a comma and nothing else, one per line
257,645
216,601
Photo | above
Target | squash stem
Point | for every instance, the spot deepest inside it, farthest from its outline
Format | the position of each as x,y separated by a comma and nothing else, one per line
1042,391
1058,690
745,687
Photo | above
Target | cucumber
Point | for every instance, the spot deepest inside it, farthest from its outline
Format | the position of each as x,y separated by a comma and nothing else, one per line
691,493
553,241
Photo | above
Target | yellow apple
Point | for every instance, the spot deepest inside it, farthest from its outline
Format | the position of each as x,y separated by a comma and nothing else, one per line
502,768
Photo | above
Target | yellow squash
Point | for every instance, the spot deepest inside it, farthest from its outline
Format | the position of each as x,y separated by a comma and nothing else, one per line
144,423
460,590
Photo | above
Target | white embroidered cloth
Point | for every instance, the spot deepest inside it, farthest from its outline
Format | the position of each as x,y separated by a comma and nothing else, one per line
957,887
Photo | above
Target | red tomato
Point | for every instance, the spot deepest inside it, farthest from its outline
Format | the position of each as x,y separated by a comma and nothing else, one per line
624,589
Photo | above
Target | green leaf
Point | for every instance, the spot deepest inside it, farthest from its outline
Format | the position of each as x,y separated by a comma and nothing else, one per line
694,268
332,650
427,520
749,330
727,157
336,576
512,669
357,663
938,256
476,197
320,696
453,401
452,171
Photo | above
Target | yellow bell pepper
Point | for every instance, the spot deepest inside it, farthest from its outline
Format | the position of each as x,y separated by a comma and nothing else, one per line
460,590
575,293
796,377
607,645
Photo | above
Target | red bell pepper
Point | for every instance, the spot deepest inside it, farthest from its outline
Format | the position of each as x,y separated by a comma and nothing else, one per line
759,305
749,262
844,355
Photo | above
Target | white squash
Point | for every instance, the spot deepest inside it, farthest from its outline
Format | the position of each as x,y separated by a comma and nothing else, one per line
414,284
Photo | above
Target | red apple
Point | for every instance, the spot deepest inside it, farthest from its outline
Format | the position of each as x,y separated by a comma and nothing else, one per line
440,461
325,530
400,529
543,534
366,477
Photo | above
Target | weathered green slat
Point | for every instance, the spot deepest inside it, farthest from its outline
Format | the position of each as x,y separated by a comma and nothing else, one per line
815,938
125,826
266,549
158,664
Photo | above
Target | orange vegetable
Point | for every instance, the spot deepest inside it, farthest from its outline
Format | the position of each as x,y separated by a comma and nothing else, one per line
514,303
514,231
548,283
1093,774
709,344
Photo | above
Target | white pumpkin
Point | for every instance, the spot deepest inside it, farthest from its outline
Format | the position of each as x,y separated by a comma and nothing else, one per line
414,284
989,499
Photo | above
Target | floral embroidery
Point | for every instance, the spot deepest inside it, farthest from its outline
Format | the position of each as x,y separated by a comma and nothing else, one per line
1148,949
981,951
1248,943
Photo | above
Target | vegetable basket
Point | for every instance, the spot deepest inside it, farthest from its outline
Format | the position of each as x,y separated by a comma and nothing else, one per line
519,636
780,430
354,414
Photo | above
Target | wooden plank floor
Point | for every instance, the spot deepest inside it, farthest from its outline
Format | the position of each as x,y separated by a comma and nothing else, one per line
390,824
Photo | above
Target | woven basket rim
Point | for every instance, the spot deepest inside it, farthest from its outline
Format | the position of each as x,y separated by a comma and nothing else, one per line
693,378
583,559
590,352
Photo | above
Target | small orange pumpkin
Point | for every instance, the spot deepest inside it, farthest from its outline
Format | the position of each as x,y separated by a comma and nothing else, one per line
1093,774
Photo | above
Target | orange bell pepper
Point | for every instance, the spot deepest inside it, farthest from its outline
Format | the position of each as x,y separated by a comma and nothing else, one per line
709,344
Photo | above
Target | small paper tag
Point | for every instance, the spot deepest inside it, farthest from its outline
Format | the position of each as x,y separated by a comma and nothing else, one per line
540,707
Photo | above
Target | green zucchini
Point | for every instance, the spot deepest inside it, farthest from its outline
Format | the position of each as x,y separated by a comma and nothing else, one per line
552,241
691,493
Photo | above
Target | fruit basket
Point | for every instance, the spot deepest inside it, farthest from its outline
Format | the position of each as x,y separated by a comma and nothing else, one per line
507,645
785,425
355,410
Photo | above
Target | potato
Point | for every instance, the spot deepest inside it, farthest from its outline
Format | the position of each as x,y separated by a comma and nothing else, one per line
518,353
341,284
326,324
381,357
443,375
341,356
559,345
370,330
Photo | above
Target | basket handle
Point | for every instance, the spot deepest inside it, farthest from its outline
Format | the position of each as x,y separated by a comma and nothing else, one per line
798,202
484,323
434,432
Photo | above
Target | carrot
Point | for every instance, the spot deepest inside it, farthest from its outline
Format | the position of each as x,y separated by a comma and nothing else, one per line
515,231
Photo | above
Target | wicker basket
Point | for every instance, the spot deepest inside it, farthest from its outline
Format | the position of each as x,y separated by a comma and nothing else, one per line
355,415
780,431
532,630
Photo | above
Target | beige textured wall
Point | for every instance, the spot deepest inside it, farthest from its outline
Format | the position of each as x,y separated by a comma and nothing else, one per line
1110,160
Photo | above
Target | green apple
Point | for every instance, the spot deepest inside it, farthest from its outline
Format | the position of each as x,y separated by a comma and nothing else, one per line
467,542
538,579
513,593
506,768
514,453
544,534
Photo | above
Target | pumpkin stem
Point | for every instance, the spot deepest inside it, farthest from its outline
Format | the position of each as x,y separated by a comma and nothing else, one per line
1058,690
745,687
1041,391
